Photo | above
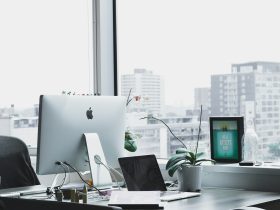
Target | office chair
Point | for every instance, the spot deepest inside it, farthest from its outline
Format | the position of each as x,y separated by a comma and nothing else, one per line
15,165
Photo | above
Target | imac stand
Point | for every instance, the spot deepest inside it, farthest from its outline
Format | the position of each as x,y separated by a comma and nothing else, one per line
100,175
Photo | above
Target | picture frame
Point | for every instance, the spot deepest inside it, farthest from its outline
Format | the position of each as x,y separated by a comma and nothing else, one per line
226,138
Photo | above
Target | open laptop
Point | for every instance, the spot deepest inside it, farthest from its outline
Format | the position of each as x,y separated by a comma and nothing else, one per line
142,173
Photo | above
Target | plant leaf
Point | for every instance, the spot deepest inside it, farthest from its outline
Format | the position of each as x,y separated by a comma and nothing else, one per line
192,155
199,154
204,160
173,168
127,136
181,150
175,159
191,159
130,145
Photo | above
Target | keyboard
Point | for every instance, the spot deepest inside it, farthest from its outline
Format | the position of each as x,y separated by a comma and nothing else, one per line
176,195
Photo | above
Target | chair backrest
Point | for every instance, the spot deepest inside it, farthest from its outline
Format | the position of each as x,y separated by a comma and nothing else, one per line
15,165
16,203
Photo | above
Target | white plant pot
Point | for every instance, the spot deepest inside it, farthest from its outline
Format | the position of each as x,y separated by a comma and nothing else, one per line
189,178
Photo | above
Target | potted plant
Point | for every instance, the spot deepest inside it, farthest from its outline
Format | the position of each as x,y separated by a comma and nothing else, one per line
130,138
187,163
130,141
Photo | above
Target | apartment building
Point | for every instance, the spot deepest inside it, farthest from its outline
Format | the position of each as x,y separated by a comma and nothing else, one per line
252,90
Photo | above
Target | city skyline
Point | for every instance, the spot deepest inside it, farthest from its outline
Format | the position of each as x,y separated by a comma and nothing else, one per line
250,89
32,100
195,40
185,47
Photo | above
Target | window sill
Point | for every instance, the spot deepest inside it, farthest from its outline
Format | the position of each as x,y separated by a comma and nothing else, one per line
235,168
260,178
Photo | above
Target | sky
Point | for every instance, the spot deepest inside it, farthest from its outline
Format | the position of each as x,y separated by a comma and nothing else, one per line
45,46
187,41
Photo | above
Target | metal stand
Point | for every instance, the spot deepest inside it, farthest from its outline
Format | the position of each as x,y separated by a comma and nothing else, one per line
100,175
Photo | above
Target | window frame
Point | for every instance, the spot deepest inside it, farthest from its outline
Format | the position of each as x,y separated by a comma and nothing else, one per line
106,72
101,86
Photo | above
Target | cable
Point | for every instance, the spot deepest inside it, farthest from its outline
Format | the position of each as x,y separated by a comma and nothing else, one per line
101,193
50,191
65,174
69,177
172,185
116,171
98,161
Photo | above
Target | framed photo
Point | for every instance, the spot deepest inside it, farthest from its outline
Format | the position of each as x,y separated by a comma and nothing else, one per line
225,138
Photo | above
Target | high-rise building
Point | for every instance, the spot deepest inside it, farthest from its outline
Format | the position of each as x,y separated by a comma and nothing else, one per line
147,85
156,139
154,136
252,90
202,96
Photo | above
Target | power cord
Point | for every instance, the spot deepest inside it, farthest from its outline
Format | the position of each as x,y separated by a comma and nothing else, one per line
101,193
172,186
64,178
51,190
98,161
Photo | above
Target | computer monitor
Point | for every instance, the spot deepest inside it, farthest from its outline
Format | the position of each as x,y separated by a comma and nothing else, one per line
63,120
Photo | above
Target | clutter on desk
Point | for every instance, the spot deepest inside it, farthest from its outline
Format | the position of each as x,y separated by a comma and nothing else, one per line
59,195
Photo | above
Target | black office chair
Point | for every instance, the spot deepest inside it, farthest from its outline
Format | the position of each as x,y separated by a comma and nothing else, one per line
15,165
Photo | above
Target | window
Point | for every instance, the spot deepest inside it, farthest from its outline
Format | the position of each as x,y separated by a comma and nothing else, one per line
46,48
171,52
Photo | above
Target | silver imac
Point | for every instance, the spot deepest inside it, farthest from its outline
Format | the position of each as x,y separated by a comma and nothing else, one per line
64,119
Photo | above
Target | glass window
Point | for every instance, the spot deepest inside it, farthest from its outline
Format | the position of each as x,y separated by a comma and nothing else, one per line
173,52
46,48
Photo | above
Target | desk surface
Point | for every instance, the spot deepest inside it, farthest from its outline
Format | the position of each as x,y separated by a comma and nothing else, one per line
220,199
217,199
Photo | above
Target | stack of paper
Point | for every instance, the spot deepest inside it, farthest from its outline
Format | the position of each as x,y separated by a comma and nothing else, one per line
135,199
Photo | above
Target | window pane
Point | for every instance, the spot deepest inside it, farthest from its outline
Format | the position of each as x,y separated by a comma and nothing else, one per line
46,48
178,54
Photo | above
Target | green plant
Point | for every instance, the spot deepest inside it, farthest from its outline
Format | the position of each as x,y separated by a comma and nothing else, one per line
129,138
129,141
183,156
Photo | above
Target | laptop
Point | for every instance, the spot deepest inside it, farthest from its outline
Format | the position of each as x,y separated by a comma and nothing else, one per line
142,173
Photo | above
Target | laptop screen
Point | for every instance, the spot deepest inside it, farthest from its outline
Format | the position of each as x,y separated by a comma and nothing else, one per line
142,173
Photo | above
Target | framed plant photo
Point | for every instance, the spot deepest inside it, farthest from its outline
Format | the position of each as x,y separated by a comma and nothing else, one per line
226,139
